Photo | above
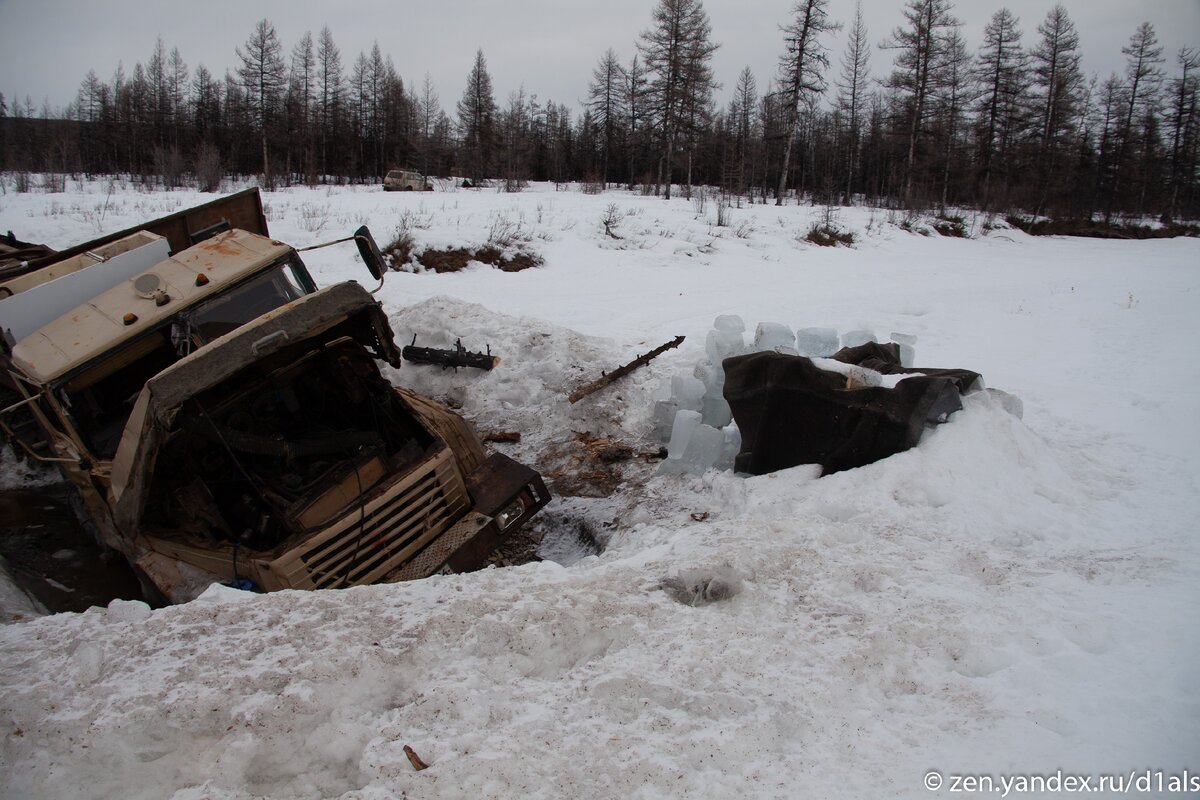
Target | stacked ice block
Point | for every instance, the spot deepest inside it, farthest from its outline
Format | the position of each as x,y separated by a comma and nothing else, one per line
695,420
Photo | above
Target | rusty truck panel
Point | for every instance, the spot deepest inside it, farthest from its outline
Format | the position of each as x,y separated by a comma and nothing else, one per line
242,210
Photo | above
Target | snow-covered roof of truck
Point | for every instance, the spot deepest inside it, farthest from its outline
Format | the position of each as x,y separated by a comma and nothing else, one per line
98,326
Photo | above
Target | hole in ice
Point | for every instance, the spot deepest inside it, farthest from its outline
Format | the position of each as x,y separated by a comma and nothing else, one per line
568,535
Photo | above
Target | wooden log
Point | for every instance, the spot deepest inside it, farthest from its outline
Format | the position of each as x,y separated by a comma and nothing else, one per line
622,371
457,357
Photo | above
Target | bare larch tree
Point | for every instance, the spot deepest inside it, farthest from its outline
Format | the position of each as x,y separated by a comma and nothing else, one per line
921,46
605,96
477,119
264,77
676,51
801,72
1001,73
852,92
1057,86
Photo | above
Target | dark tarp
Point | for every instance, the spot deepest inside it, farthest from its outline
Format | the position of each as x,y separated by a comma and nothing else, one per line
791,412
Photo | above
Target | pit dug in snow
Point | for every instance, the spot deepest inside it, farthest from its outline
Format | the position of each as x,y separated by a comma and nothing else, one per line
793,410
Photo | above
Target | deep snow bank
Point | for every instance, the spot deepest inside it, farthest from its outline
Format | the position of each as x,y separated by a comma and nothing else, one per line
931,609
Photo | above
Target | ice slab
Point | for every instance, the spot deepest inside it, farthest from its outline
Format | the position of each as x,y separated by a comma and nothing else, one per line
720,345
906,342
685,425
711,375
773,336
695,447
716,411
687,391
816,342
858,337
703,449
664,418
729,323
731,447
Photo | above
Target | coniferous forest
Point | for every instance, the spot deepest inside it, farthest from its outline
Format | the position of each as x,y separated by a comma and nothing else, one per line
1014,126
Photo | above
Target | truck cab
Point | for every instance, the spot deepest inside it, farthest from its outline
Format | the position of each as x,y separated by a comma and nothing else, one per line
222,419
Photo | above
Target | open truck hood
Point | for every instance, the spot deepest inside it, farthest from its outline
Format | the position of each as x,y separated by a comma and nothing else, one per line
308,319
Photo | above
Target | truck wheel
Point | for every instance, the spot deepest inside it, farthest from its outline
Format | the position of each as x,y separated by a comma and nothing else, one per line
89,527
151,594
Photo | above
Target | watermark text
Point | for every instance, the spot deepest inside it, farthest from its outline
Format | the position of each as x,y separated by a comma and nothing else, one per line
1136,781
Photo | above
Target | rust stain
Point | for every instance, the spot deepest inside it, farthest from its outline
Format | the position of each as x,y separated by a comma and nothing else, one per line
219,246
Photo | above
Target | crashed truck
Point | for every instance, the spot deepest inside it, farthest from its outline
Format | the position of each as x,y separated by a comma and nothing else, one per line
222,419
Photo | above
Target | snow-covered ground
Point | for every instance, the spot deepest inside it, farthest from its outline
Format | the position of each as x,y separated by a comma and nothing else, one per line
1010,597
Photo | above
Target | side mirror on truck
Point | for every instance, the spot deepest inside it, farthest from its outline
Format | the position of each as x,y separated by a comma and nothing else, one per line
370,252
366,248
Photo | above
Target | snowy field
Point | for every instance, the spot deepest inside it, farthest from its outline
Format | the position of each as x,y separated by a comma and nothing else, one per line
1011,597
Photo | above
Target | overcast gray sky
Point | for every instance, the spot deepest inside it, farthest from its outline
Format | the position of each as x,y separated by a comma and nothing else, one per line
550,46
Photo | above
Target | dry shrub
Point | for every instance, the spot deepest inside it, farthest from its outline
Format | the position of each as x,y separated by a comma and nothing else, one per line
723,213
504,233
1099,229
314,216
611,219
54,183
457,258
399,251
949,225
168,165
206,165
828,236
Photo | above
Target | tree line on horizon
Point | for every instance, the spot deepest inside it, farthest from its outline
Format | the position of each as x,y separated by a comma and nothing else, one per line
1006,128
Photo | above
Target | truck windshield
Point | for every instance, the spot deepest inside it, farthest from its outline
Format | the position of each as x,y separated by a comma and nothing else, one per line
279,285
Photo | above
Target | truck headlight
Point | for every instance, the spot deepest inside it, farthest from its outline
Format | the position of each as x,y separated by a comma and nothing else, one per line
510,514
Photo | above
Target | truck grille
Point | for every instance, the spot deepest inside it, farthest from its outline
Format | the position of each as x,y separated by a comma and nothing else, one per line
364,545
